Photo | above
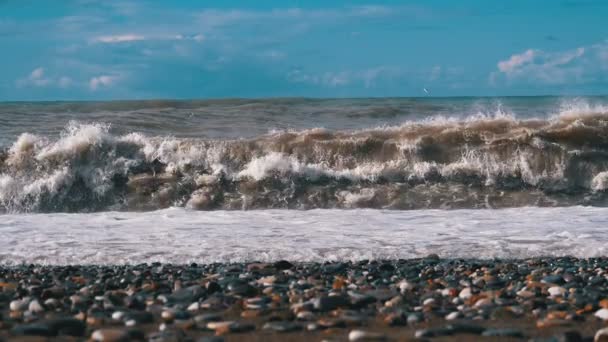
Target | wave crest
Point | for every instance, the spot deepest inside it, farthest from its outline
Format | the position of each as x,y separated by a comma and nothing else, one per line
497,161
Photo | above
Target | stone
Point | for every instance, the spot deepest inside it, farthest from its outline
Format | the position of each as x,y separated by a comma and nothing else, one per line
186,295
305,316
556,291
414,318
405,286
503,333
553,279
283,265
601,335
240,288
194,307
602,314
139,317
361,335
34,329
328,303
465,328
453,315
395,319
465,293
433,332
35,306
219,325
282,326
169,335
208,317
67,326
428,302
19,304
236,327
111,335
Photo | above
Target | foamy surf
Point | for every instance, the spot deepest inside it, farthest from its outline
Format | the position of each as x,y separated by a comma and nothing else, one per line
178,235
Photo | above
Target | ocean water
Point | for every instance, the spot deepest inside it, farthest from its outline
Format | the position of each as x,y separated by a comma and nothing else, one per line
302,179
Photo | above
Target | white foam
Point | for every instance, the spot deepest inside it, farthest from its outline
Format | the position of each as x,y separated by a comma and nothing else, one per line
181,235
600,181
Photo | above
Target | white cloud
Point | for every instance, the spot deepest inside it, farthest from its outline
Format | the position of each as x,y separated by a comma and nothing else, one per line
101,81
516,61
127,38
37,73
212,18
36,78
121,38
578,65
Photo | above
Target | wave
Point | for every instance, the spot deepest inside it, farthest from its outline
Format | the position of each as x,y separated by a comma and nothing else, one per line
479,162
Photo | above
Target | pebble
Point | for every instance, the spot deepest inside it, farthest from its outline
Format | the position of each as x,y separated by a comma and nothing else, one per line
602,314
453,315
35,306
19,304
283,327
465,293
34,329
556,291
361,335
111,335
601,335
503,333
327,303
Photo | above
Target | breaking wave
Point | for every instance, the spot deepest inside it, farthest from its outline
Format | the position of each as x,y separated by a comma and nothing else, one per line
483,161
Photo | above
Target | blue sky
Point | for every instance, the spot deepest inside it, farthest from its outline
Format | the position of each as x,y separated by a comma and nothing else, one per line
99,50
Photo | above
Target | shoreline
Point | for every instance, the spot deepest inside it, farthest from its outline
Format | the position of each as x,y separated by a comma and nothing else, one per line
539,299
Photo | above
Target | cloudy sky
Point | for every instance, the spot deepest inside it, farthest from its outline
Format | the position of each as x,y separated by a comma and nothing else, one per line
93,49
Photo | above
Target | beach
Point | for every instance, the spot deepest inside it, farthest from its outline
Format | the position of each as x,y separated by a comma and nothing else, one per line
397,219
538,299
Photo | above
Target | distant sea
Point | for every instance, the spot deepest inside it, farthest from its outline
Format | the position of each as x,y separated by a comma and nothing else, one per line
302,179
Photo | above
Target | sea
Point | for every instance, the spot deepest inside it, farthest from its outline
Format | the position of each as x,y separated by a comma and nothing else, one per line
238,180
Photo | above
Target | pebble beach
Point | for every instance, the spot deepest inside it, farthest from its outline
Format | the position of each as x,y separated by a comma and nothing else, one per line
539,299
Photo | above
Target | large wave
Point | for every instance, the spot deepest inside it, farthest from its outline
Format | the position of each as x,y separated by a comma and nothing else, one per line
482,161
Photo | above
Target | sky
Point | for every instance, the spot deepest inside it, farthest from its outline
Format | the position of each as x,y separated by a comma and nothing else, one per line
103,50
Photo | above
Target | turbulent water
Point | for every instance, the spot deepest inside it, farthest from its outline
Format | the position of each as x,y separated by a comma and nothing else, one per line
303,154
137,181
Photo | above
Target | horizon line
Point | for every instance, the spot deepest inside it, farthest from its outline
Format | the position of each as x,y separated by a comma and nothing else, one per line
185,99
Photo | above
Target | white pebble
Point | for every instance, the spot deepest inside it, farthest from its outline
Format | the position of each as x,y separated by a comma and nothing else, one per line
602,314
601,335
360,335
305,316
556,291
452,316
35,306
194,306
405,286
483,302
428,301
118,315
465,293
20,304
217,325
